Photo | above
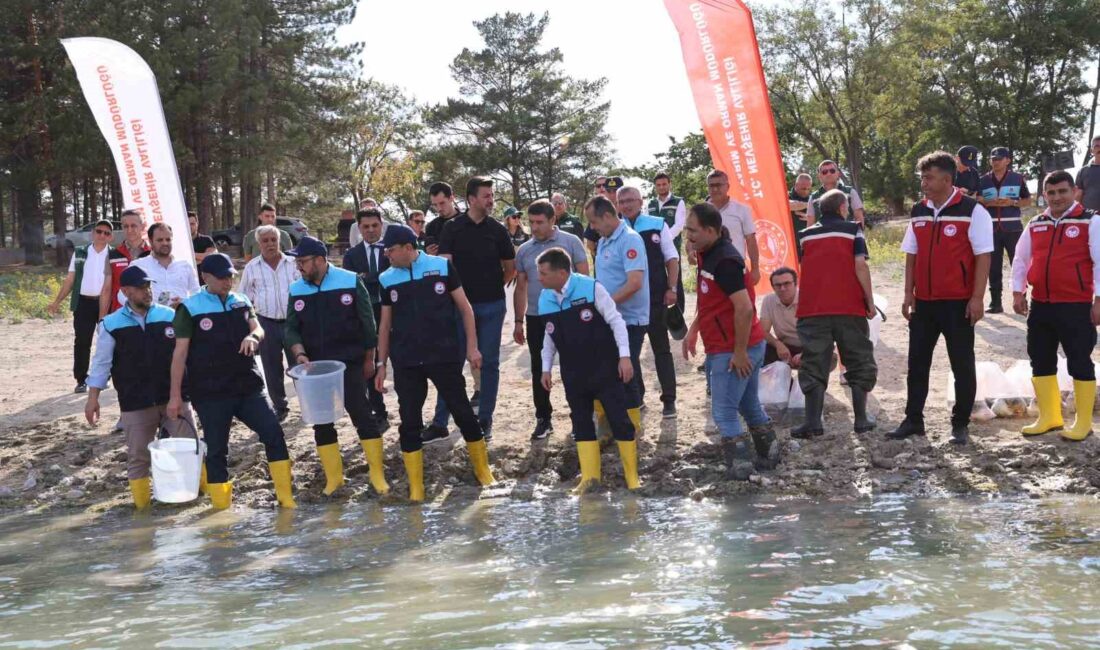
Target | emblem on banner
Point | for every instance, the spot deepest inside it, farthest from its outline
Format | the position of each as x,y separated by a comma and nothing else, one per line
773,246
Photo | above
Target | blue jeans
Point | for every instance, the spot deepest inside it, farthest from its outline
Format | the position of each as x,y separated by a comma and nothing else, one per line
488,321
731,394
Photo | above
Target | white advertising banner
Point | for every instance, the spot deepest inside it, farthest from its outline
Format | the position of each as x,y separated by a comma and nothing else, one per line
122,93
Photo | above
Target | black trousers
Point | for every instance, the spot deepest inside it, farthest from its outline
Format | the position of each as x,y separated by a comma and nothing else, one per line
657,330
536,330
355,403
411,384
851,336
1069,324
85,319
256,412
272,354
1003,242
636,335
929,320
580,391
374,398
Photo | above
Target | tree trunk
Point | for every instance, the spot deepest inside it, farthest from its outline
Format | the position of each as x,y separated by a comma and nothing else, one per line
16,236
3,239
60,221
227,195
30,216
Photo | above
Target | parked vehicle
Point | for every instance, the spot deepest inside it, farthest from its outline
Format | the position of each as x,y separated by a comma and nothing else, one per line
292,226
83,236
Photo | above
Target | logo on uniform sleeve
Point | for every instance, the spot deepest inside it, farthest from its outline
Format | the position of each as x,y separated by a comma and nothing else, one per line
704,286
393,295
440,288
299,305
206,324
1072,232
170,332
631,254
346,299
549,328
586,315
655,238
950,230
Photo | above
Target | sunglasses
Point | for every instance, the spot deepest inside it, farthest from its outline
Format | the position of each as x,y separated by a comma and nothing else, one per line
828,171
514,216
419,222
105,233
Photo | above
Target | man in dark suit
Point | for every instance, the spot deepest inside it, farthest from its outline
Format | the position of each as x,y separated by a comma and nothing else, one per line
368,260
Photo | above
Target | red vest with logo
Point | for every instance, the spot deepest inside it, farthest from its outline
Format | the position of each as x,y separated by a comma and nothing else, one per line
945,259
715,310
119,259
1061,264
829,283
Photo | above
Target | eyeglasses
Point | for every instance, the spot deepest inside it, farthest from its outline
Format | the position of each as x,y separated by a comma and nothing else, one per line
780,285
302,261
105,233
829,171
419,222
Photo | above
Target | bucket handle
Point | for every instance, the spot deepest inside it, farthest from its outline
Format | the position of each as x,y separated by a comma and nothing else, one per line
163,433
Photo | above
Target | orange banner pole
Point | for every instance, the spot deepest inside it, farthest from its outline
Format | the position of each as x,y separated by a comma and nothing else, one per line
727,80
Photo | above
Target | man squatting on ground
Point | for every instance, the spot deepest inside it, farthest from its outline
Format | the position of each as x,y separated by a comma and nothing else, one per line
1059,256
584,326
422,302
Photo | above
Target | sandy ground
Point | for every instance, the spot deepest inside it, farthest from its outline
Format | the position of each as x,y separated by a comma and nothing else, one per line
50,458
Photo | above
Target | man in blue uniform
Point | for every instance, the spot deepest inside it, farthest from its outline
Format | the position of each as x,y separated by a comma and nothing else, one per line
584,326
217,339
422,302
1003,192
329,317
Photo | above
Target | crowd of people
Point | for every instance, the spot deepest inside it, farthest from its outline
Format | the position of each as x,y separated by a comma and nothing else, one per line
424,298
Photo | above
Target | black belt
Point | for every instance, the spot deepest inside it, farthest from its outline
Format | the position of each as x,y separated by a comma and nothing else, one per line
277,320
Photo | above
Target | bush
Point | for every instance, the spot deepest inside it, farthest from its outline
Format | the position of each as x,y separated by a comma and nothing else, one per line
884,243
27,292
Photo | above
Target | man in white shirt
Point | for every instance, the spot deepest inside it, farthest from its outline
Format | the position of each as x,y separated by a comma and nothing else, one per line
737,219
88,281
172,280
266,282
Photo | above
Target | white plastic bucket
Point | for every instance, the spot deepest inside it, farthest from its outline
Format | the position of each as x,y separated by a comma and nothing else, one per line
320,388
177,466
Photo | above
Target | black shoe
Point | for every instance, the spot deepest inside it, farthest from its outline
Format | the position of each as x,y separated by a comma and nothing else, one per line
487,431
960,435
812,426
767,447
543,428
995,308
81,388
283,413
669,411
905,429
740,458
861,422
433,433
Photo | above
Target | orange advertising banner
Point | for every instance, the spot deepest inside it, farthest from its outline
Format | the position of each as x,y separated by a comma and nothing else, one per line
727,80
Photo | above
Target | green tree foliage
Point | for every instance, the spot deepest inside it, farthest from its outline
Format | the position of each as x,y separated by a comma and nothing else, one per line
687,162
519,117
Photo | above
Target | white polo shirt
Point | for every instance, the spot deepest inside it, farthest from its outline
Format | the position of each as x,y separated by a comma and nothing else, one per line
91,283
737,218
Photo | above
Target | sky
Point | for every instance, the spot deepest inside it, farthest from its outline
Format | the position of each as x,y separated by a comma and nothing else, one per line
411,43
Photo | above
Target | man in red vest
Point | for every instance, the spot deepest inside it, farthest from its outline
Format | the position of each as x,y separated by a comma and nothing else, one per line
1059,256
133,246
834,304
947,247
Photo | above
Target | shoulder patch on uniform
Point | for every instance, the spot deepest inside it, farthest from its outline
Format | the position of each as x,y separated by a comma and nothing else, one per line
631,253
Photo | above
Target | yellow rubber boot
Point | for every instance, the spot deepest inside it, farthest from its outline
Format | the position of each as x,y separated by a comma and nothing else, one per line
373,451
479,458
280,476
1049,401
221,495
142,491
588,452
628,452
603,428
1084,395
203,489
414,467
636,420
333,464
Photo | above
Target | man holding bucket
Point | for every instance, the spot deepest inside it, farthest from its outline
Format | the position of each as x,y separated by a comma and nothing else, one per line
134,348
330,318
217,338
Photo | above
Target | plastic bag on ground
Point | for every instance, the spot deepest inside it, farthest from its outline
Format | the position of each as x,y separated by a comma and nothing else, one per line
1020,377
797,400
775,383
1065,382
992,382
1012,407
981,412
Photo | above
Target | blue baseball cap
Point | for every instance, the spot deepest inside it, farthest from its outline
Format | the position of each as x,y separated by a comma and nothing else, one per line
397,234
309,247
968,155
133,276
1000,152
218,265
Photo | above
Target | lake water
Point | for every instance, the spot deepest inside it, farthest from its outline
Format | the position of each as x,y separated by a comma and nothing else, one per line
598,573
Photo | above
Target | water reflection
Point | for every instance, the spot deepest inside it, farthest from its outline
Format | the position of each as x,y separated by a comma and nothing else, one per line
596,572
